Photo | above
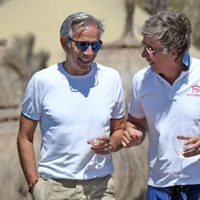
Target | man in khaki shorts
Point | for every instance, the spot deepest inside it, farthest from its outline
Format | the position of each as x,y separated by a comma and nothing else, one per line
74,101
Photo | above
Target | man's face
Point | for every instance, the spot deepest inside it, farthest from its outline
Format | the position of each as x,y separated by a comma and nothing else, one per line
79,57
153,52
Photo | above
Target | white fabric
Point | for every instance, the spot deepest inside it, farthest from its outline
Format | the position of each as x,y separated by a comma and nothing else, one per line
68,107
168,108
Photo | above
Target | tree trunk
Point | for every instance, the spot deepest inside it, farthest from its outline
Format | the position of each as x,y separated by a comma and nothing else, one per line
157,5
128,39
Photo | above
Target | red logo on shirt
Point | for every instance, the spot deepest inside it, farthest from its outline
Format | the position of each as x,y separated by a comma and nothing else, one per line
195,90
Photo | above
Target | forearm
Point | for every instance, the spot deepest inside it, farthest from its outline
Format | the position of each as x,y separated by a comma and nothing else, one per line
117,132
116,139
27,160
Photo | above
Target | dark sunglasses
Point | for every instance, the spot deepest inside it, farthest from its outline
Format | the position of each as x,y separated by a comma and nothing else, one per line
83,45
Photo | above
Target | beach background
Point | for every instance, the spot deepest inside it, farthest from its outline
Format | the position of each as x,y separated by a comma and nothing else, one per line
43,19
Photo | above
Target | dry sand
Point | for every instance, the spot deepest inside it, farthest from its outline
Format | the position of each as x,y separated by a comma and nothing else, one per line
44,17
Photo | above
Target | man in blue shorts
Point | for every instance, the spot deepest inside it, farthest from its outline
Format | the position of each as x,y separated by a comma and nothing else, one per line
165,98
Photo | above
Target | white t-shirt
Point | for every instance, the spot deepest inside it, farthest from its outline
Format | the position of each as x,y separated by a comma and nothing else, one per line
68,108
168,108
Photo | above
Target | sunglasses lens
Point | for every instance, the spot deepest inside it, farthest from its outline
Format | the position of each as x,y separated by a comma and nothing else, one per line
96,46
83,45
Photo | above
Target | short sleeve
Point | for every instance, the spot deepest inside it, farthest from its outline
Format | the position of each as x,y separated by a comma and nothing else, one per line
135,108
119,108
31,104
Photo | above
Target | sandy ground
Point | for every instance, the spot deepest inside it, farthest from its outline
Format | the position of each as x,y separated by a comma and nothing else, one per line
43,19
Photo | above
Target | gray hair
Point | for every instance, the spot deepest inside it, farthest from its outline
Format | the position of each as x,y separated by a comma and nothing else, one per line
81,19
171,28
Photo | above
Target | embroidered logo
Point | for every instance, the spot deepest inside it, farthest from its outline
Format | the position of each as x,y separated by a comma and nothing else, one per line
195,90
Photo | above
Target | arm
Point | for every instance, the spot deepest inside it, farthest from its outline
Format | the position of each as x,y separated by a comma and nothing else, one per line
117,131
135,131
26,150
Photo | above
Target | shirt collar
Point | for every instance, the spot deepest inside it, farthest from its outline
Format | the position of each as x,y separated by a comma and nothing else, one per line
187,60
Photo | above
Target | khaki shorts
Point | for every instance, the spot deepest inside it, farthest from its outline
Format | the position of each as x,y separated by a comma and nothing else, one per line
58,189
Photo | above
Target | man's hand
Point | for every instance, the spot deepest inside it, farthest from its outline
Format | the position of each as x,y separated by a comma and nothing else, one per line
101,145
132,137
192,145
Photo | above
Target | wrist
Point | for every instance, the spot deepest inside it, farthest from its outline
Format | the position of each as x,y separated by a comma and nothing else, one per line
115,144
32,184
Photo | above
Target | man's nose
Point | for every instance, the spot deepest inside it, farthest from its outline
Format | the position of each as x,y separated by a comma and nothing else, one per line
89,51
144,53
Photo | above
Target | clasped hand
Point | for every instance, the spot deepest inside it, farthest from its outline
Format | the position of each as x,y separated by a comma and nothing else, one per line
131,137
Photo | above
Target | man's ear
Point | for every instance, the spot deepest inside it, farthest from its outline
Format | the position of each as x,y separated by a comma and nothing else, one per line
64,43
174,53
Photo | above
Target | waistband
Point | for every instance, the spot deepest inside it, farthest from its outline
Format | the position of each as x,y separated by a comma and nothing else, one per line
176,190
71,183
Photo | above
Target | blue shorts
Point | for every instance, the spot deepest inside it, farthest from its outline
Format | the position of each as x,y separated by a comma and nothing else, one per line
178,192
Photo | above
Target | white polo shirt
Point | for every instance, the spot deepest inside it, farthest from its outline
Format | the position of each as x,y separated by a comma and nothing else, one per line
68,108
168,108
